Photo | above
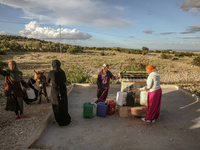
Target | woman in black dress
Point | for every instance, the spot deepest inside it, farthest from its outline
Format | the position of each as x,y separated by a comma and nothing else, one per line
59,98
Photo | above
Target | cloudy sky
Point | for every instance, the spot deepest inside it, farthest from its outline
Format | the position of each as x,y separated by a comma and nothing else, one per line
156,24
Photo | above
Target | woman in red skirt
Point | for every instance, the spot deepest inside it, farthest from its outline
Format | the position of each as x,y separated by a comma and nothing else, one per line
154,94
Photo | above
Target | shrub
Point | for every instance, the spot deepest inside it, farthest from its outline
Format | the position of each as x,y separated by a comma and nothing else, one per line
2,64
73,50
175,58
157,51
3,51
102,53
164,56
75,73
92,80
181,54
196,61
135,64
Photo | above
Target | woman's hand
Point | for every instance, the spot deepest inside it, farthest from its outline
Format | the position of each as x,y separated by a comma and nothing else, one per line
139,89
119,76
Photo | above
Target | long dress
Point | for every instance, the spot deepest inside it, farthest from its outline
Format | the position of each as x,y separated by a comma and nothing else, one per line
154,95
13,91
103,84
59,97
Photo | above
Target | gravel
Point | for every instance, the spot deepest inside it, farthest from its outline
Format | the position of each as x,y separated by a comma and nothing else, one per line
14,133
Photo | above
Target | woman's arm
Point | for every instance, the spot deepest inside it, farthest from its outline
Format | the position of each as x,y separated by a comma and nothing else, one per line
24,84
149,84
113,77
4,73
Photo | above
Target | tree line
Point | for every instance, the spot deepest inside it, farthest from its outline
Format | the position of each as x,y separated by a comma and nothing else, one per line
23,44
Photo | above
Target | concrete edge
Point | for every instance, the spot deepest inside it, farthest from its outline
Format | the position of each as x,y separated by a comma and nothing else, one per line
95,85
186,92
37,132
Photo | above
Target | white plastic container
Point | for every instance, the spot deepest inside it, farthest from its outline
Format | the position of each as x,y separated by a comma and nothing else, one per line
49,91
143,98
121,98
30,94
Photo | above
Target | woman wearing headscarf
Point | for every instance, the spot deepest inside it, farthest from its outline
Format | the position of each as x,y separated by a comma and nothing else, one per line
154,94
103,83
59,98
13,90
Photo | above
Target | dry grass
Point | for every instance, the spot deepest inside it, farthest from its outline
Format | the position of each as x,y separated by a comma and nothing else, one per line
92,61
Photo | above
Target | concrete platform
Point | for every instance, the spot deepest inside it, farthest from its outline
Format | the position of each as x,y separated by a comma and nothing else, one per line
178,126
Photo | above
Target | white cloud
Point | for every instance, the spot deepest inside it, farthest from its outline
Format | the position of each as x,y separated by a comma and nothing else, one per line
28,18
33,30
190,5
2,32
70,12
190,37
182,44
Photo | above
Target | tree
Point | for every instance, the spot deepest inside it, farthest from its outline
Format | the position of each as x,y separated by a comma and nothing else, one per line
145,48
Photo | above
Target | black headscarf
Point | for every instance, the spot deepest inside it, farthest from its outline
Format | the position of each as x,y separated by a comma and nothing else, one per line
56,64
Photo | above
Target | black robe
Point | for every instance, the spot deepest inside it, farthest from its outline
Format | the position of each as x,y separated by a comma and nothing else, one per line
59,98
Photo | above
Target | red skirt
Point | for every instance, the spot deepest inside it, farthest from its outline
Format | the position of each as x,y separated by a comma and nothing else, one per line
102,94
153,104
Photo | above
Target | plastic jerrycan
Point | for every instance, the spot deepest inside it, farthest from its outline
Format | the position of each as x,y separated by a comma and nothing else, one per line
121,98
143,98
102,109
87,110
111,107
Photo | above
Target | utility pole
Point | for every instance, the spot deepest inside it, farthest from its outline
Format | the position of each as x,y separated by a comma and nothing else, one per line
60,39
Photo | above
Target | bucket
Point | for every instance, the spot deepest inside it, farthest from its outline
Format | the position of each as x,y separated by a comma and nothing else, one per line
143,98
30,94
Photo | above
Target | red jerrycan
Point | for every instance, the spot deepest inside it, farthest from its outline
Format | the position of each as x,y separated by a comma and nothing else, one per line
111,107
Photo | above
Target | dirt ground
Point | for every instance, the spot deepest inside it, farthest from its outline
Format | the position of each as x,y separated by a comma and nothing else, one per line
14,133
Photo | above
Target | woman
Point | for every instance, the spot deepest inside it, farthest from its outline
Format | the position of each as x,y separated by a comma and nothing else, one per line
154,94
103,80
13,90
59,98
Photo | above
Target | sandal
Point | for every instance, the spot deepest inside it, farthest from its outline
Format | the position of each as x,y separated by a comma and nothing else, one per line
17,117
143,119
23,115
